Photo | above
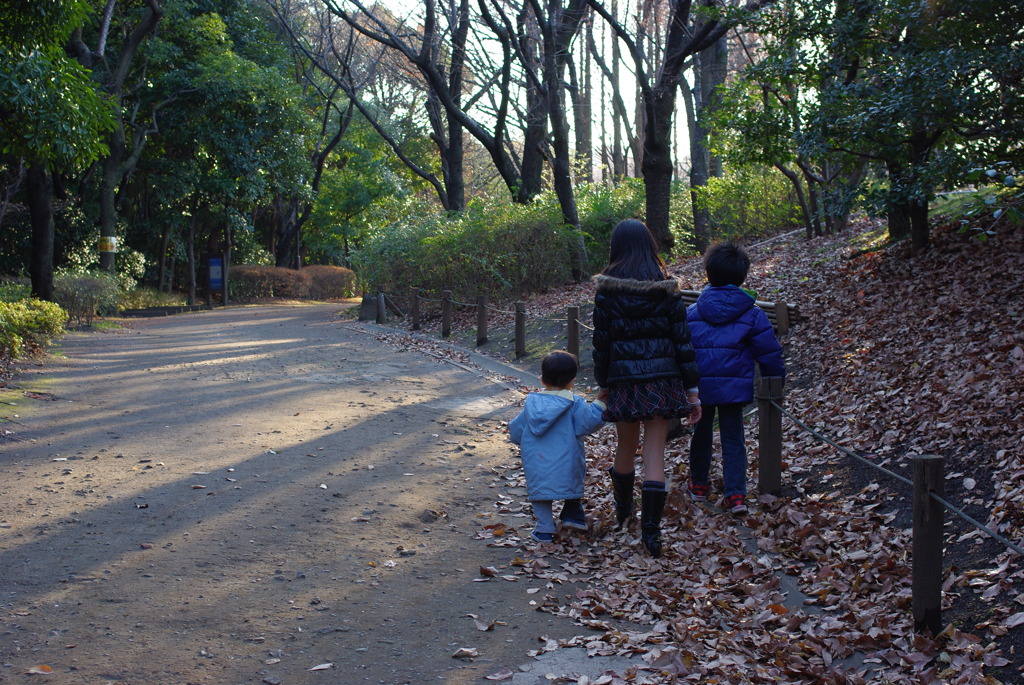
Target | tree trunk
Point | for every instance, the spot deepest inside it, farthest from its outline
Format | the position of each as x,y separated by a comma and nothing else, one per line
562,172
618,121
114,168
161,276
698,172
839,214
456,181
39,190
288,216
898,215
814,195
798,186
226,264
533,145
713,65
657,165
110,176
191,251
456,188
580,94
919,228
709,73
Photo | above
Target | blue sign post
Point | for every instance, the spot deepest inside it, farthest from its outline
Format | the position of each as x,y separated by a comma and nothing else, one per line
216,273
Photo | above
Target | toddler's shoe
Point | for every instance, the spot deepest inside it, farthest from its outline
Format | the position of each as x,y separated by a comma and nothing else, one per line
542,537
698,492
736,504
573,516
575,524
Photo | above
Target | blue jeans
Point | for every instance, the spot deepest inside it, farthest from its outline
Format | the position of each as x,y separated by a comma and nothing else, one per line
734,450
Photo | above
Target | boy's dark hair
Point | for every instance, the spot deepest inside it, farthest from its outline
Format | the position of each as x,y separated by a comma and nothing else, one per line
558,368
726,263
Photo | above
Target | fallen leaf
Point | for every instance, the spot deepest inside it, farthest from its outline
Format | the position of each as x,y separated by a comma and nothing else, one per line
465,653
41,669
321,667
1015,620
501,675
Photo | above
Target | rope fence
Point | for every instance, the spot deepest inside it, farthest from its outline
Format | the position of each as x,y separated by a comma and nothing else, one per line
779,313
928,502
386,302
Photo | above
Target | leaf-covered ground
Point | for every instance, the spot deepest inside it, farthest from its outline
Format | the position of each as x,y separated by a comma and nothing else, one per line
895,356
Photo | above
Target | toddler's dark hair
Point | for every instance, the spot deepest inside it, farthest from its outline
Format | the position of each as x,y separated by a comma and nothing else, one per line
726,263
558,368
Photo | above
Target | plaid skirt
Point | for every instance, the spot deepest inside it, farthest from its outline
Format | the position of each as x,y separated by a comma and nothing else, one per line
664,397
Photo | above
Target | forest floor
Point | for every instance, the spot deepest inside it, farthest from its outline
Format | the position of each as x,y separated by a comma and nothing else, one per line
895,356
280,490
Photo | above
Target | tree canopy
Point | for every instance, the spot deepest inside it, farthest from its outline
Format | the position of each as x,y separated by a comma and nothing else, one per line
175,132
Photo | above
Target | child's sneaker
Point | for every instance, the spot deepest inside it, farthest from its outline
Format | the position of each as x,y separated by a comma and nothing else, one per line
542,537
698,492
575,524
572,515
736,504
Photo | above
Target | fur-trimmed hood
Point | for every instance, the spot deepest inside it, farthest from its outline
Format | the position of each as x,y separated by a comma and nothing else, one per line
611,284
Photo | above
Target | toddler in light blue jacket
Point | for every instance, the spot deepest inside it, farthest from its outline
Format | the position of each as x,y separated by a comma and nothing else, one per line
550,432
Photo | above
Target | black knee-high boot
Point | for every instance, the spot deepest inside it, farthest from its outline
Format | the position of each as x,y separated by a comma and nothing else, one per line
622,488
652,504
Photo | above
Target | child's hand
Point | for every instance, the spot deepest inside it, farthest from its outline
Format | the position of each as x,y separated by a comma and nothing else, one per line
602,394
695,413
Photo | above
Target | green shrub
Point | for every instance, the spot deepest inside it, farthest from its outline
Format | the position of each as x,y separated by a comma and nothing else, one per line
86,295
12,291
258,282
29,322
498,249
140,298
330,282
750,201
601,207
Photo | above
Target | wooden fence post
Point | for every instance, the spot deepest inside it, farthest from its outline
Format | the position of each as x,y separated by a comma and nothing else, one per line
481,320
782,318
769,429
382,309
446,313
929,515
574,331
520,329
415,307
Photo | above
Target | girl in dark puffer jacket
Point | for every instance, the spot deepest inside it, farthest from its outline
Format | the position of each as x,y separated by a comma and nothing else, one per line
645,366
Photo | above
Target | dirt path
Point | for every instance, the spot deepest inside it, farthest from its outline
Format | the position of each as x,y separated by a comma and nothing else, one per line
242,495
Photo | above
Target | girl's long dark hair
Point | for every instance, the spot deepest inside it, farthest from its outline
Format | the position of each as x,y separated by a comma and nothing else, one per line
634,254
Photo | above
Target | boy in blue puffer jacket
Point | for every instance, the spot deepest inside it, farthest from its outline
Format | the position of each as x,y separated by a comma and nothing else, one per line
730,334
550,432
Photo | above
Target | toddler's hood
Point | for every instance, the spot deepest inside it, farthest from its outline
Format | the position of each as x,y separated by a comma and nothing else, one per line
718,305
543,410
